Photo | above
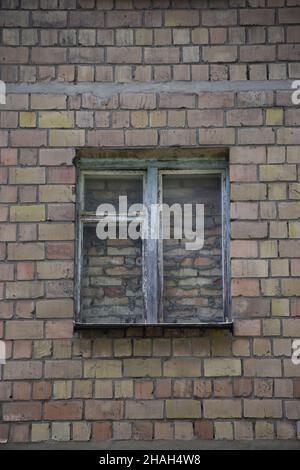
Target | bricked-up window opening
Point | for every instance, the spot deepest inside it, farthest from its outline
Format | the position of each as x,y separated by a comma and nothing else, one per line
152,280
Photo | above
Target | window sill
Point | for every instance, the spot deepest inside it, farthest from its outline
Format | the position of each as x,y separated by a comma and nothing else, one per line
228,325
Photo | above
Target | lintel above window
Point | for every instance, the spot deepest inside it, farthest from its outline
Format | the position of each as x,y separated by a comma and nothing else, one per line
152,237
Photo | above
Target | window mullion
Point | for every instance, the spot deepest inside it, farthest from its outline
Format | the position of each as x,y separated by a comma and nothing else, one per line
150,252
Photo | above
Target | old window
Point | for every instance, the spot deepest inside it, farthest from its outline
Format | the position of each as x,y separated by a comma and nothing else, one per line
152,239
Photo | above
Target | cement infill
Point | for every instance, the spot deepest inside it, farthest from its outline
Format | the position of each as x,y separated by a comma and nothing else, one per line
109,89
159,445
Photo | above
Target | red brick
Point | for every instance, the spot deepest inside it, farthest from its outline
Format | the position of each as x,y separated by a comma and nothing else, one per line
289,52
61,175
121,18
56,157
257,16
143,430
289,15
63,410
13,55
256,136
103,409
244,117
63,369
181,18
139,138
87,19
61,212
249,308
217,136
101,431
137,101
124,55
25,138
207,118
204,429
19,433
60,250
41,390
59,329
106,138
245,287
177,137
22,411
52,19
23,370
162,55
21,391
49,55
177,100
259,53
219,54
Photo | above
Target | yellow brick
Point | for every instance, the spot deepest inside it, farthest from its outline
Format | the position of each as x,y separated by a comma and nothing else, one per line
34,213
67,138
27,175
279,267
264,430
222,408
54,308
62,349
56,119
40,432
261,347
271,327
56,193
42,349
139,119
278,172
183,409
182,367
274,117
122,347
222,367
142,347
56,231
294,190
280,307
176,118
184,430
102,368
290,287
123,388
223,430
270,287
83,389
27,119
250,268
277,191
158,119
268,249
62,389
143,36
54,270
142,367
294,229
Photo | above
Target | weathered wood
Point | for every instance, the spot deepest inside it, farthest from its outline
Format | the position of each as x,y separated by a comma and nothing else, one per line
116,161
150,265
164,154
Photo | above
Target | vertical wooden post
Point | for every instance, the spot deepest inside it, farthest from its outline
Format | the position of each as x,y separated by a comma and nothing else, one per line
150,278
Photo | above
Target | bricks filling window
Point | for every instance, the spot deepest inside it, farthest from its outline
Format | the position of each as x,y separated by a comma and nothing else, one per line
152,242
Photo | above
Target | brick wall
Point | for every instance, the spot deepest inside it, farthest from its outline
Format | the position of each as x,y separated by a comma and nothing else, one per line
152,74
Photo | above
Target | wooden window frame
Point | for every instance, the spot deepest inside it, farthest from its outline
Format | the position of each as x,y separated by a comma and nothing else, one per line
153,170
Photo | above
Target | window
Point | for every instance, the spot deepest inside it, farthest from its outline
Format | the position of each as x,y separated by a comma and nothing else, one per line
152,239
